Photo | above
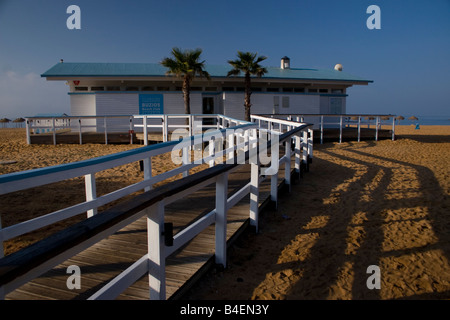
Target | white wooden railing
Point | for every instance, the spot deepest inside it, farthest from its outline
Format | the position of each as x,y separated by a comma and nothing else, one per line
79,124
341,121
160,123
244,141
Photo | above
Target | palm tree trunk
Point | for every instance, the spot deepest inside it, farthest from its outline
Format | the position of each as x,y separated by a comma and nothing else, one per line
186,95
248,92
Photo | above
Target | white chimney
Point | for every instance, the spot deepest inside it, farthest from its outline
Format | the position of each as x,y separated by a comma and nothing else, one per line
285,63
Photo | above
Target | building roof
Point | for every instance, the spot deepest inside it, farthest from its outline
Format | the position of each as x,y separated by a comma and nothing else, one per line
83,69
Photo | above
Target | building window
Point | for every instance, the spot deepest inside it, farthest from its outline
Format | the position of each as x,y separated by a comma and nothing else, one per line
97,88
240,89
132,89
148,88
323,90
273,89
312,90
227,88
288,89
337,91
81,88
162,89
196,88
299,90
112,88
256,89
211,89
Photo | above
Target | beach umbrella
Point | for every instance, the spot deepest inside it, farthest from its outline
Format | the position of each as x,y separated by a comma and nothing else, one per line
399,118
4,121
19,120
413,118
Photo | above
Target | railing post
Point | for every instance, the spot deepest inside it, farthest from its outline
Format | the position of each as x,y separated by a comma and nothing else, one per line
211,147
221,219
147,172
54,131
106,130
144,122
274,177
393,128
310,144
185,158
304,150
287,166
28,131
297,154
340,129
377,124
91,192
79,131
230,144
254,187
321,129
156,252
359,128
246,140
166,128
131,130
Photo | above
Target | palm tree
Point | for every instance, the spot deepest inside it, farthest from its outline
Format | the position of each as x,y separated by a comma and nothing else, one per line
186,64
248,63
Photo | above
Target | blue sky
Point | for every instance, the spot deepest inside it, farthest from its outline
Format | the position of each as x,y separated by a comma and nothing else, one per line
408,58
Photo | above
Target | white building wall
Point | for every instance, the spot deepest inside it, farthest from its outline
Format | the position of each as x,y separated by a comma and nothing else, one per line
265,103
109,104
83,105
233,105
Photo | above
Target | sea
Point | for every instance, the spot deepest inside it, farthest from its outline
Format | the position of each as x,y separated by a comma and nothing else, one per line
428,120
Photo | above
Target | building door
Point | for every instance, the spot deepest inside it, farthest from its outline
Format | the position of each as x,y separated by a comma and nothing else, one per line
208,108
335,105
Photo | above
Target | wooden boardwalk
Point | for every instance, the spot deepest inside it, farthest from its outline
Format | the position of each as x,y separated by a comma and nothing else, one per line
105,260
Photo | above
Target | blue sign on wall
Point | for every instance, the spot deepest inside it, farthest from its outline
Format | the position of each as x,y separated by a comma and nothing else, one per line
151,104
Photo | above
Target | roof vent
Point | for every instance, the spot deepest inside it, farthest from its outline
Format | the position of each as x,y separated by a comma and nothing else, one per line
61,61
285,63
338,67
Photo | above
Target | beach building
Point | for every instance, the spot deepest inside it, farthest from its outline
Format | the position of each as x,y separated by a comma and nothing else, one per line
101,89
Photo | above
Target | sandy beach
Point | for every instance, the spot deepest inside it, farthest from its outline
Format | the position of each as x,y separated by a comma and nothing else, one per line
382,203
